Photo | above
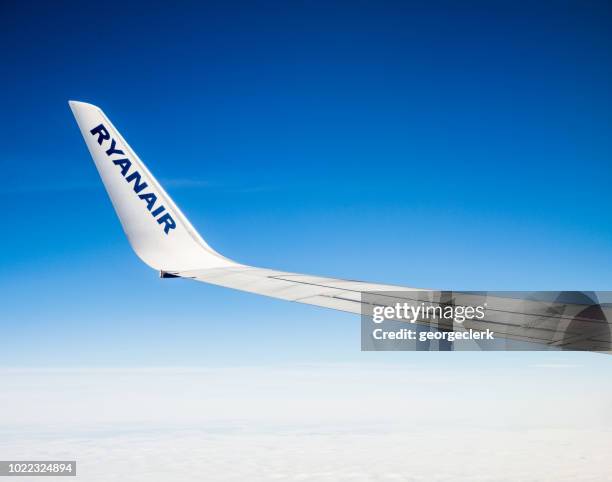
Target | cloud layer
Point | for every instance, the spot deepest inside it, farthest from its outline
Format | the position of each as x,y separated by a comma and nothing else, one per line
312,422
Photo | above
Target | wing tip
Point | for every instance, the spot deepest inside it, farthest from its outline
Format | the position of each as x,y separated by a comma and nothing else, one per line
77,105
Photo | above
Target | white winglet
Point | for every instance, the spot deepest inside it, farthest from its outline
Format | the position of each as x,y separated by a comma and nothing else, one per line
157,230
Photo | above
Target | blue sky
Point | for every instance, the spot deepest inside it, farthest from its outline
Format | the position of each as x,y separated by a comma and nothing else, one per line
439,145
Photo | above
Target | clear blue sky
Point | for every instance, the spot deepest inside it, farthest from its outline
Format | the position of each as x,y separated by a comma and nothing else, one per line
443,145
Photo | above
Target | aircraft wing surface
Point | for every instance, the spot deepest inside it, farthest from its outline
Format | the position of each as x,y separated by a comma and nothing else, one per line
164,239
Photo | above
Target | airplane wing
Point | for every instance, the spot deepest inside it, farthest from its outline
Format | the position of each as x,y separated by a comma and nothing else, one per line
165,240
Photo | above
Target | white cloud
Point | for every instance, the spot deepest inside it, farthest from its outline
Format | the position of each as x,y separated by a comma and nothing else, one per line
309,422
324,453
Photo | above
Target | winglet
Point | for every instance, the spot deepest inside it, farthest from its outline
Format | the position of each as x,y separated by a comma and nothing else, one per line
157,230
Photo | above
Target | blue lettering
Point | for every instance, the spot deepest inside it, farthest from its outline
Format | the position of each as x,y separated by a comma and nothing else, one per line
138,186
150,199
125,165
168,222
101,132
112,149
158,211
